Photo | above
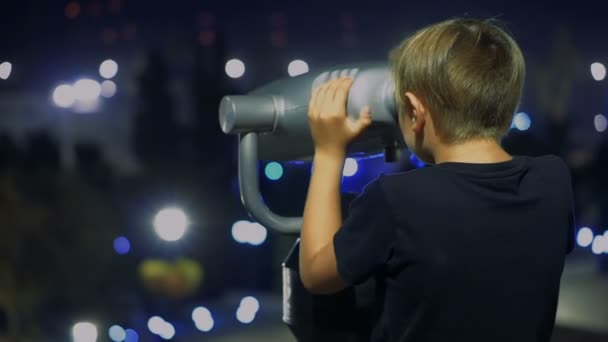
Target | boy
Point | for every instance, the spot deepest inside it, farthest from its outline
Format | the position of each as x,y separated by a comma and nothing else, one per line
469,249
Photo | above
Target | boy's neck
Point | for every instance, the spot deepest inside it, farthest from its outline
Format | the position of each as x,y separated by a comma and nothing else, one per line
484,151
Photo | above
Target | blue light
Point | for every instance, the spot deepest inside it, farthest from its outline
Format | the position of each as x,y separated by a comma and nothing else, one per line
132,336
117,333
416,161
521,121
122,245
273,171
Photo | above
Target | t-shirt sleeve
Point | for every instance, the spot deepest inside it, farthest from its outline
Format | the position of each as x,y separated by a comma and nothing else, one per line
364,243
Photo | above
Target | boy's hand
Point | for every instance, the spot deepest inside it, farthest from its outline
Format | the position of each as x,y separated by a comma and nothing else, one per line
330,128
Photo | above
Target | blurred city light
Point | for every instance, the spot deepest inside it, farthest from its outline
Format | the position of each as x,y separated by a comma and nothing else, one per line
122,245
84,332
521,121
64,96
599,245
600,123
273,171
87,90
168,331
171,223
247,232
598,71
72,10
235,68
132,336
250,303
5,70
117,333
108,69
584,237
350,167
203,320
156,325
108,88
247,310
245,316
297,67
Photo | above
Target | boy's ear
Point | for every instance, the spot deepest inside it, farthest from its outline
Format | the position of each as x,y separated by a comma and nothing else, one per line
417,113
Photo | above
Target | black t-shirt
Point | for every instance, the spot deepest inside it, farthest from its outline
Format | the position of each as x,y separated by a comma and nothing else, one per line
463,252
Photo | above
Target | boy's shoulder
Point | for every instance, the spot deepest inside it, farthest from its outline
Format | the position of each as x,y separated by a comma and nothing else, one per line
549,165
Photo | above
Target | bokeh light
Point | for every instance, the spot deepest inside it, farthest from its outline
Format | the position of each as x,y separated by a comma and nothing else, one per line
171,223
108,88
599,245
168,331
235,68
600,123
132,336
64,96
156,324
598,71
273,171
72,10
521,121
245,316
117,333
250,303
5,70
84,332
584,237
87,90
350,167
203,320
247,309
247,232
108,68
122,245
297,67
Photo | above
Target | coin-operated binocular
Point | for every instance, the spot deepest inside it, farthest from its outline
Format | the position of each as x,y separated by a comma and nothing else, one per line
272,124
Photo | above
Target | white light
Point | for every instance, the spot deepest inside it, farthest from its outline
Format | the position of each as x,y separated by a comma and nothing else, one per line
521,121
250,303
5,70
259,234
598,71
170,224
87,90
600,123
64,96
84,332
244,315
108,88
599,245
235,68
252,233
584,237
202,319
350,167
108,69
168,331
297,67
117,333
156,325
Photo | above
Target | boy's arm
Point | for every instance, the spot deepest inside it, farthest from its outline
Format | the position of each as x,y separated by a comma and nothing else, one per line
322,219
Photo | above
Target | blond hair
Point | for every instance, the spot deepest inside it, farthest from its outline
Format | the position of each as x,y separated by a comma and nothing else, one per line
468,72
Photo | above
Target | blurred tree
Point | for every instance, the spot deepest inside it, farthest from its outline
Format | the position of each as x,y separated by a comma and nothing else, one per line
156,132
56,258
